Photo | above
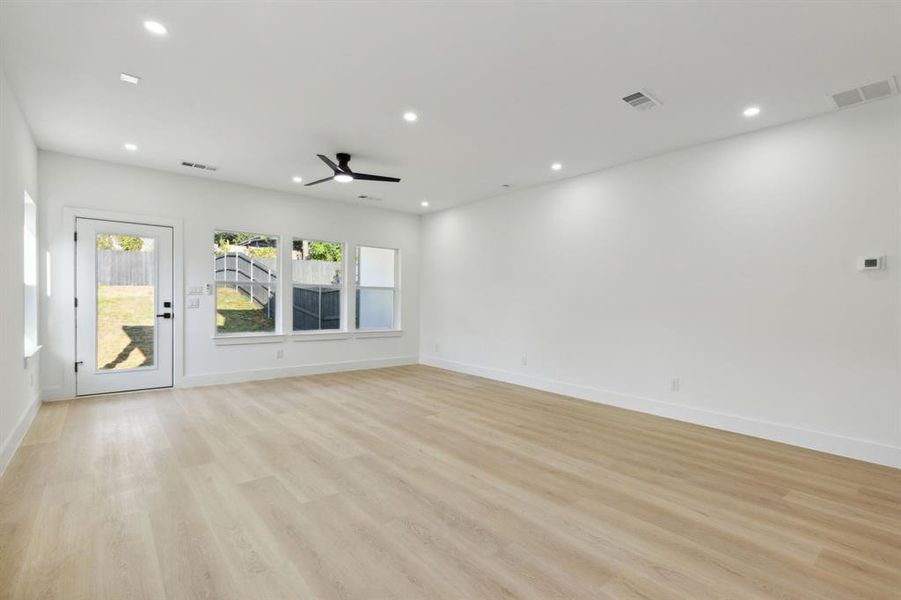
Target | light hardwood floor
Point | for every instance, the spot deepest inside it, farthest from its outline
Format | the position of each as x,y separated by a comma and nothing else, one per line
413,482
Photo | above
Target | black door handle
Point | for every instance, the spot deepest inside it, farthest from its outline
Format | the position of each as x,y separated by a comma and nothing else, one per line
166,315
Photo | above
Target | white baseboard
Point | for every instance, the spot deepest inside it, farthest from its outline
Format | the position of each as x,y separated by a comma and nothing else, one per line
55,394
18,434
280,372
816,440
186,381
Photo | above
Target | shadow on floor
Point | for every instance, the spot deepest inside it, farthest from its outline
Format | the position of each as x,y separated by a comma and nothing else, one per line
140,338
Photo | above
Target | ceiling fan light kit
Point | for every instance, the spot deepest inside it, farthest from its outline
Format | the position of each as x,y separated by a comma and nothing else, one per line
342,173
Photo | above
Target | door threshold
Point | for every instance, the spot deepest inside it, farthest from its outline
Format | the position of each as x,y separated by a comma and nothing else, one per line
150,389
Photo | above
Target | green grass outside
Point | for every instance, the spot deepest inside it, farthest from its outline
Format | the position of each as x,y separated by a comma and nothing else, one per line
126,318
237,313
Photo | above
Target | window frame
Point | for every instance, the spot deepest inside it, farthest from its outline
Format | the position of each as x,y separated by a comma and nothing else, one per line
355,286
343,289
276,289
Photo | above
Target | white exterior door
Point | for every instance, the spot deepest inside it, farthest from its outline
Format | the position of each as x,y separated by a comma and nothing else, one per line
124,309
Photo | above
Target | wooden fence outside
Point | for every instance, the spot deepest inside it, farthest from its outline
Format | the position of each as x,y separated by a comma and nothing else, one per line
238,270
119,267
315,306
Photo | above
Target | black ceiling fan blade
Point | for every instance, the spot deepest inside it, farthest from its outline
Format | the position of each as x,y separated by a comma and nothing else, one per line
319,181
329,162
367,177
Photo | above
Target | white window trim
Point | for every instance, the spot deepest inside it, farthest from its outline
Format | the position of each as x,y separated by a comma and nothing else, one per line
235,339
322,334
397,327
378,333
251,337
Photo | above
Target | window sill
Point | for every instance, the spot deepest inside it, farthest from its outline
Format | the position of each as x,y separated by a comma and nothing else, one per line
31,351
248,338
378,333
319,336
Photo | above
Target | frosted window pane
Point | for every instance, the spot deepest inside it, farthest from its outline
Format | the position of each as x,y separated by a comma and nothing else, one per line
376,267
375,309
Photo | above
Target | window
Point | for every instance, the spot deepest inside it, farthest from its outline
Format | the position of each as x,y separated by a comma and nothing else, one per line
376,294
246,275
30,279
318,274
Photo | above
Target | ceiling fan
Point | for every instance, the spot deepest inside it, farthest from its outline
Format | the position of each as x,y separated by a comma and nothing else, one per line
343,174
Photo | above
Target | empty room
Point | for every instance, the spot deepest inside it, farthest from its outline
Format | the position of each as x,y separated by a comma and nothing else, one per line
374,300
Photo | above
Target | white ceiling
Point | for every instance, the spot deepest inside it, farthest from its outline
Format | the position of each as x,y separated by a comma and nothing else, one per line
503,89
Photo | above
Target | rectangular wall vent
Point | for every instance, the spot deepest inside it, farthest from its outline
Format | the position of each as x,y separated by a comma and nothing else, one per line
641,100
865,93
202,167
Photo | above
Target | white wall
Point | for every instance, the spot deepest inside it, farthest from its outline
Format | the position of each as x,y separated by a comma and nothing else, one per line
202,205
18,173
729,265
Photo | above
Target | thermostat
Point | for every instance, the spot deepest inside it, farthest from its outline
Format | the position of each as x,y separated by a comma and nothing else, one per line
870,263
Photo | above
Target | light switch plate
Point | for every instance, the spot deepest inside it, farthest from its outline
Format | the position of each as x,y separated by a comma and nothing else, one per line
193,303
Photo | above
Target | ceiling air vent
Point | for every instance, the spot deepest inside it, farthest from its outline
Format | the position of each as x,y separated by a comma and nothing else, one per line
871,91
202,167
641,101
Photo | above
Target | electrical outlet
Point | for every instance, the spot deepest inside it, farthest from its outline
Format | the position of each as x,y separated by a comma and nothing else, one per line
524,360
676,384
279,353
437,348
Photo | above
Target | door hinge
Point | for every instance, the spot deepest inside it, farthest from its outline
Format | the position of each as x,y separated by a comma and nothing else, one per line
75,237
76,303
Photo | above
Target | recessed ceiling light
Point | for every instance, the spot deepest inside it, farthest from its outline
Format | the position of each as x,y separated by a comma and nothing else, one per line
155,27
751,111
556,166
343,178
424,203
297,179
134,79
410,117
130,147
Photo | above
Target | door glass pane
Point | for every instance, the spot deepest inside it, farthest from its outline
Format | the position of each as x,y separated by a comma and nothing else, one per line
375,309
125,301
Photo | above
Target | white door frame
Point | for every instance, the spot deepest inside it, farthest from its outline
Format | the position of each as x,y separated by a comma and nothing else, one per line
91,378
66,252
